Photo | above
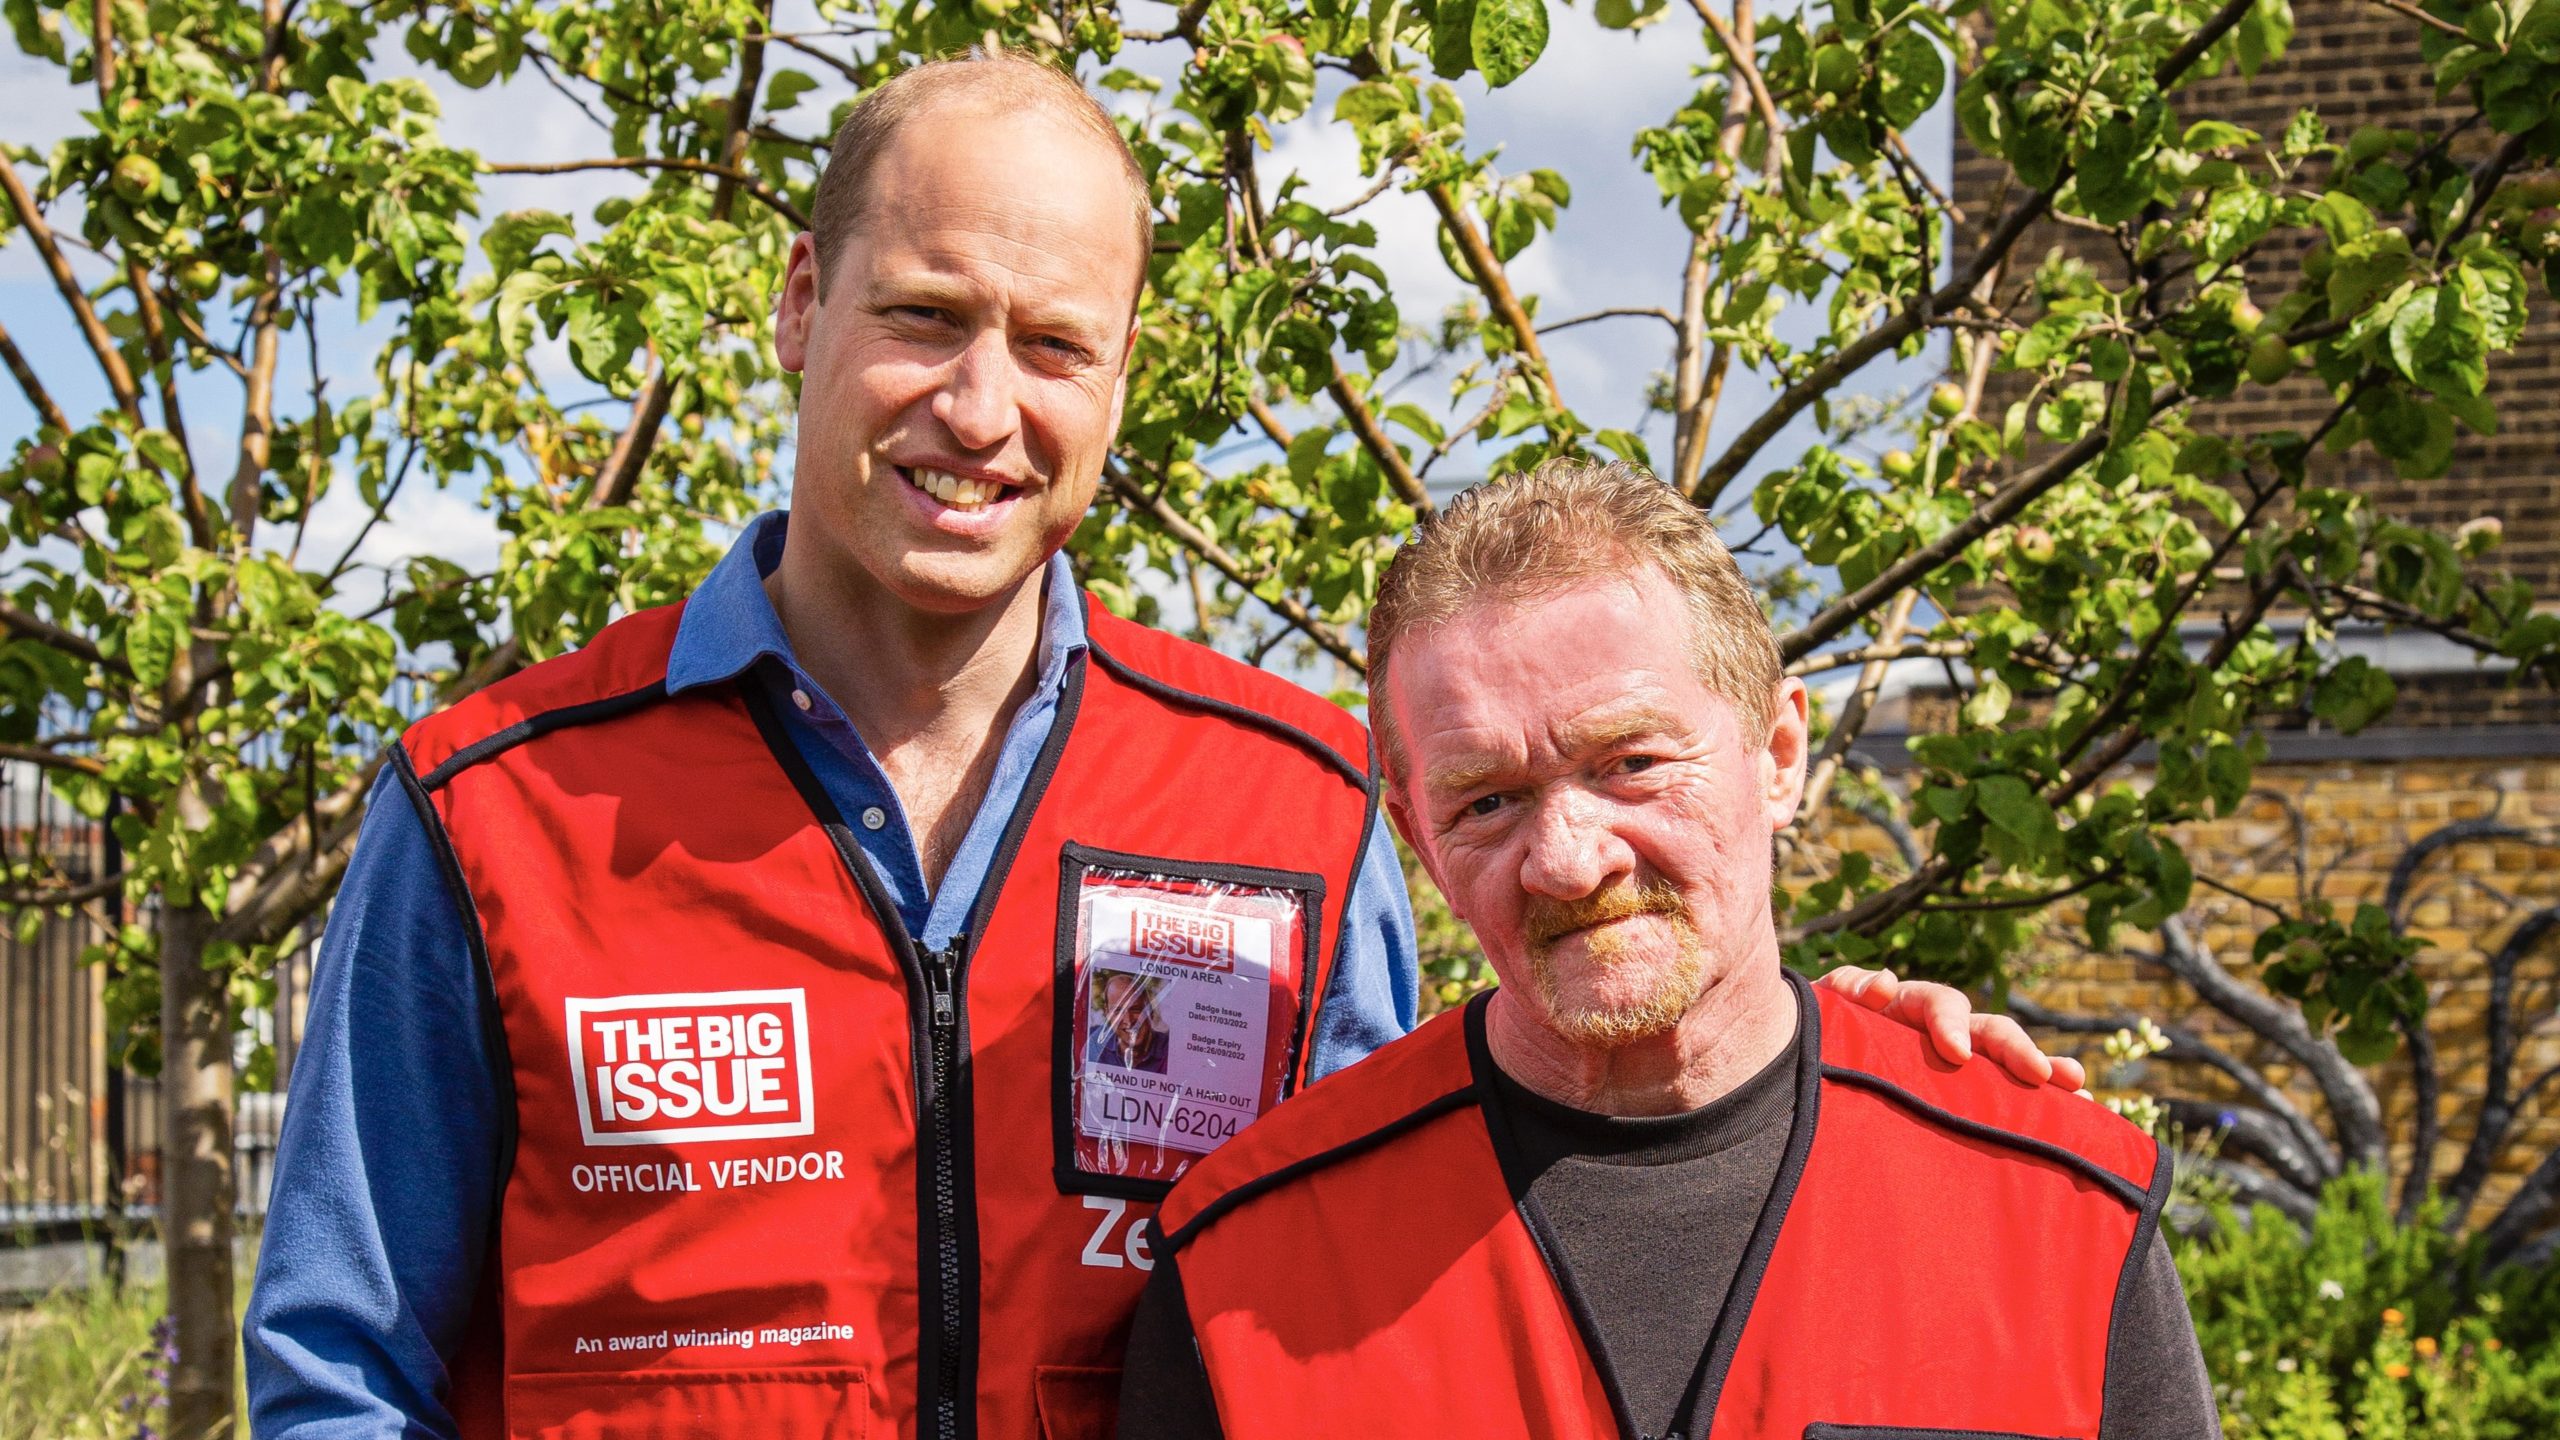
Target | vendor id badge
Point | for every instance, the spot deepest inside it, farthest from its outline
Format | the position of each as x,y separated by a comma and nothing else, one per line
1181,993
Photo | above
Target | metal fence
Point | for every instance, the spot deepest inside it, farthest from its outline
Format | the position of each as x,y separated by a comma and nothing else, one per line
79,1131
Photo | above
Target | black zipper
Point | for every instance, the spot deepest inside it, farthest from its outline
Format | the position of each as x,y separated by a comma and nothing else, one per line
948,1364
942,979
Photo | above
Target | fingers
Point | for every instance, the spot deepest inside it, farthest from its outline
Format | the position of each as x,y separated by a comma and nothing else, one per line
1940,1010
1874,989
2008,1045
2070,1074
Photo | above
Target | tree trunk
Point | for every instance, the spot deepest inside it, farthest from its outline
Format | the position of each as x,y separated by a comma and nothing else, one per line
196,1192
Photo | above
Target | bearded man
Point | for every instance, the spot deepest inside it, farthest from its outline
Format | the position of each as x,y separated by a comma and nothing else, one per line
1638,1190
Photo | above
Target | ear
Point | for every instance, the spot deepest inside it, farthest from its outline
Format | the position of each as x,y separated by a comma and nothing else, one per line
795,309
1789,735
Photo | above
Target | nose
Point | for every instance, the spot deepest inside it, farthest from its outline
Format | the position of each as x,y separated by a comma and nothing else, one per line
977,402
1571,851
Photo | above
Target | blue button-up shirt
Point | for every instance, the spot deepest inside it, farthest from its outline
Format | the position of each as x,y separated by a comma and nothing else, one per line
389,1168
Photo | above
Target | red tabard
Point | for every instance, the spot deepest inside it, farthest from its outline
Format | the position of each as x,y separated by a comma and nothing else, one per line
1941,1256
776,1173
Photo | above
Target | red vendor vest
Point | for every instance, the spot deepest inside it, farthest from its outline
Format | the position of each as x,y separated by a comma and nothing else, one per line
1359,1266
779,1172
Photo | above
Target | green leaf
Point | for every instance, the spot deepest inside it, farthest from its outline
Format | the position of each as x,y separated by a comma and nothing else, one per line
513,236
1989,705
1629,14
1453,38
2018,812
786,88
2114,186
2354,694
1507,37
514,315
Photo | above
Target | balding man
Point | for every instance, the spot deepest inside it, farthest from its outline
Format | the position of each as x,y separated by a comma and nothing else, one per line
733,1028
1653,1186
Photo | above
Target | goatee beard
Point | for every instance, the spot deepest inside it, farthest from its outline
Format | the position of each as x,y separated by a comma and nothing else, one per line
1644,1017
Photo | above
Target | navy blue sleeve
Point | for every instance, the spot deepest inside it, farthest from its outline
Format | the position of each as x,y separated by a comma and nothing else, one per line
1377,977
388,1167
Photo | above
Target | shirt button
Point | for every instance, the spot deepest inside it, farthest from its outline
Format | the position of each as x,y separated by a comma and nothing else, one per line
800,698
873,817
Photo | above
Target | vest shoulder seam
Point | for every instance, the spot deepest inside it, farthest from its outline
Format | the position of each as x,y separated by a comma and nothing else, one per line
2117,1185
534,726
1358,778
1237,1195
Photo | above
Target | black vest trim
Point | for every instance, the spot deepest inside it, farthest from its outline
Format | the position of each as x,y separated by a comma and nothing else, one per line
1429,1111
2131,1194
586,712
1359,779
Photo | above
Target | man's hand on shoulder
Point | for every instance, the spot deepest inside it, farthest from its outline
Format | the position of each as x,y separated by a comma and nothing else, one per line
1947,1015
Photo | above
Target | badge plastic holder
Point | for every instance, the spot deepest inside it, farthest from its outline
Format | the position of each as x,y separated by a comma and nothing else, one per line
1181,1010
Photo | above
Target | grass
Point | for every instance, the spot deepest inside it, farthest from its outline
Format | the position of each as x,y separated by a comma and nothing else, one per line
88,1362
82,1364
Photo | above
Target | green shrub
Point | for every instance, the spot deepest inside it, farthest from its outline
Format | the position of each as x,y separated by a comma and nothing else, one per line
2357,1331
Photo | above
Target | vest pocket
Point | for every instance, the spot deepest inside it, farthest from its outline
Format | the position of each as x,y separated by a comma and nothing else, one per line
1820,1431
819,1403
1077,1402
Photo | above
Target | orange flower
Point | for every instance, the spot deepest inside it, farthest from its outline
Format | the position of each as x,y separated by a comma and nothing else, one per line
2392,1317
2396,1370
2426,1345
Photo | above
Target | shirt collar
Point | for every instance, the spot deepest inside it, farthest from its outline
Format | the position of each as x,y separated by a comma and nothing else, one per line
730,624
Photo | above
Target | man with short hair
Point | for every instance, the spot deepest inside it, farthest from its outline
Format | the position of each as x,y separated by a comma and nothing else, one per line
696,1047
1653,1185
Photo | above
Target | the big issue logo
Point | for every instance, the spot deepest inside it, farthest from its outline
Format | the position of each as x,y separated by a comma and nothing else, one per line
688,1069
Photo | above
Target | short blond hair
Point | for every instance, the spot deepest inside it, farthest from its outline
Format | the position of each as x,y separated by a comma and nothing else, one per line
980,81
1530,536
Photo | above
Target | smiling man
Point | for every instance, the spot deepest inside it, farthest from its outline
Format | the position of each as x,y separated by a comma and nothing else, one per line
1652,1185
715,1034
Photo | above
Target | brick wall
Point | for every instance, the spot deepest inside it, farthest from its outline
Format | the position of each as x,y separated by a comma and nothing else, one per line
2358,64
2335,831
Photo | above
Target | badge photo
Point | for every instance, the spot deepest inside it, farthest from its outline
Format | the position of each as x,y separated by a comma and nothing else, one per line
1181,1010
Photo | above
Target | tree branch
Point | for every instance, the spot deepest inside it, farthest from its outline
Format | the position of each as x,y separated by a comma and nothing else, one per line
1495,285
257,411
101,344
1199,542
1382,448
2188,1047
2498,1103
739,178
630,453
52,759
1853,716
1826,376
66,895
1629,312
2353,1107
2011,498
1737,53
27,627
741,117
